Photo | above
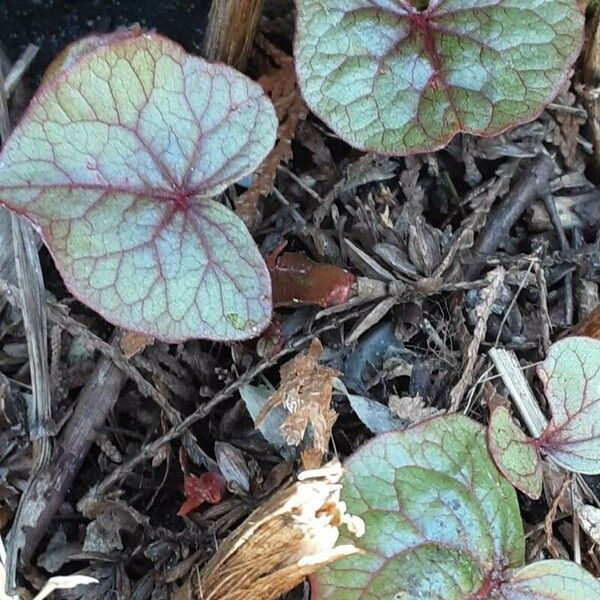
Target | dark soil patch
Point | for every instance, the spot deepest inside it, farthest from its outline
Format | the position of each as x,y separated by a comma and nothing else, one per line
52,24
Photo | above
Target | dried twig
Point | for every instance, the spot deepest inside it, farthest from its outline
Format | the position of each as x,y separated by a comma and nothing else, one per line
533,182
43,498
204,410
551,515
230,31
20,67
33,306
545,318
483,311
509,308
563,243
508,366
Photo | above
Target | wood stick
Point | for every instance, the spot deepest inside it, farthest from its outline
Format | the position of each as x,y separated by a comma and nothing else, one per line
533,183
42,499
230,31
33,307
508,367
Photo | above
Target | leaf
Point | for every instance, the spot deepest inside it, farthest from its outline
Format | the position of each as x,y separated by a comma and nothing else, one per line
255,398
389,77
377,417
514,454
116,161
305,393
589,519
209,487
551,580
571,378
233,467
440,520
133,343
298,280
281,86
412,408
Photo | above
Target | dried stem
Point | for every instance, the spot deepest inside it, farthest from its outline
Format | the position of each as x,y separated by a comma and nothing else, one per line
31,282
95,401
230,32
588,88
533,182
508,367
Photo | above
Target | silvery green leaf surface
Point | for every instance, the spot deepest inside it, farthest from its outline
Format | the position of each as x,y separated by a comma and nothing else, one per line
117,161
396,78
571,378
441,522
514,454
550,580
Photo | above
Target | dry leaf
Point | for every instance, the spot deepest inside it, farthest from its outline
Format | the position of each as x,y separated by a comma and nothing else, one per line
411,409
589,519
289,537
305,393
589,326
282,87
133,343
54,583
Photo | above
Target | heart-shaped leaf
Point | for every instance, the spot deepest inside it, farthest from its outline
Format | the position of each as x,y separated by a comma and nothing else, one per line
116,162
550,580
514,453
440,520
389,77
571,378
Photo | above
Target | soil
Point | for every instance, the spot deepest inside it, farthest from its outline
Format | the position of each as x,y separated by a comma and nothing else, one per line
52,24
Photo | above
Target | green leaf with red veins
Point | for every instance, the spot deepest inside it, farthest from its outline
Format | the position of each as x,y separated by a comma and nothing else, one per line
388,77
514,453
441,522
116,162
550,580
571,378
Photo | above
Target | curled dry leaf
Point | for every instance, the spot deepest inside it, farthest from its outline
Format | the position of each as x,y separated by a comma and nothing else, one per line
411,408
298,280
133,343
233,466
305,393
290,536
281,86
